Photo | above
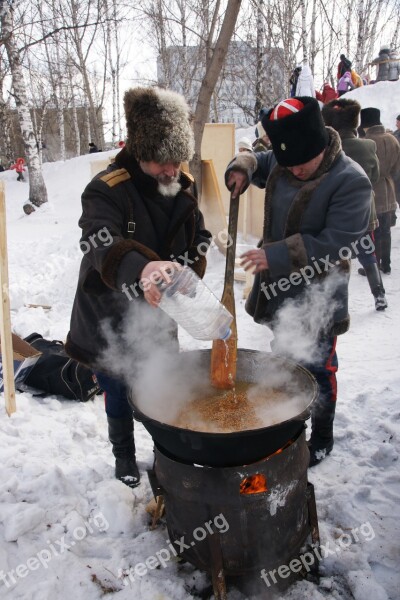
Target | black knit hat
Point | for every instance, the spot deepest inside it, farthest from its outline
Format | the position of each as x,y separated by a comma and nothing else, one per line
158,124
297,136
370,117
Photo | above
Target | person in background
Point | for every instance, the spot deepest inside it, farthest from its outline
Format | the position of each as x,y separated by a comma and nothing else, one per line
317,202
305,82
328,93
19,168
345,84
356,79
394,66
382,62
92,148
343,66
388,151
396,178
344,116
396,132
145,205
1,166
245,145
261,143
293,80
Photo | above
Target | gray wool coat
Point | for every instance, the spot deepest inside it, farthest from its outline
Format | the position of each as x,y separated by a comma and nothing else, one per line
307,224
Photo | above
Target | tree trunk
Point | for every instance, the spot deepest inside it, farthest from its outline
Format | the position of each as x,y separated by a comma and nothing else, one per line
209,82
259,103
37,187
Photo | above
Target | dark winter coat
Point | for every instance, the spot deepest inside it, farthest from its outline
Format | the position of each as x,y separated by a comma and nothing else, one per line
126,223
388,151
343,115
343,66
304,222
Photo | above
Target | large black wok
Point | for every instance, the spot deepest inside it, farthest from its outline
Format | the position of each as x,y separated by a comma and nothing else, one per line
242,447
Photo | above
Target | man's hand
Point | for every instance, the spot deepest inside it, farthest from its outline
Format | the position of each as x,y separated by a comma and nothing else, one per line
254,259
236,183
154,272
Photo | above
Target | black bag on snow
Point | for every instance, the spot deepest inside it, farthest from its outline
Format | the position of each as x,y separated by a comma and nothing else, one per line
56,373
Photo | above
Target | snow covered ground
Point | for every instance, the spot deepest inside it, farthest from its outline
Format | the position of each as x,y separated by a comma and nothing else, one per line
68,529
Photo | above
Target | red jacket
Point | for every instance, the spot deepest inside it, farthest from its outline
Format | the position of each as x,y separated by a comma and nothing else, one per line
328,93
19,165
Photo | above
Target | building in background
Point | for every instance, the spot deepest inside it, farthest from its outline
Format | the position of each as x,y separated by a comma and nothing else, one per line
182,68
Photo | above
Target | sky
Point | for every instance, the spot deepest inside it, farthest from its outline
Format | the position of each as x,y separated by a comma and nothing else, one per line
69,529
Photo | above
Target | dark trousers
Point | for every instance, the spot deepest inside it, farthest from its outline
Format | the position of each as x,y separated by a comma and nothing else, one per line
115,397
383,240
366,258
324,370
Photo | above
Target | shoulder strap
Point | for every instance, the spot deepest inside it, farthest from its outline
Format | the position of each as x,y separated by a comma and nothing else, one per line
128,199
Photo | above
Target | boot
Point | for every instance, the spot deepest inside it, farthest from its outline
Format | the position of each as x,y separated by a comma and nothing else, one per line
321,440
120,433
376,286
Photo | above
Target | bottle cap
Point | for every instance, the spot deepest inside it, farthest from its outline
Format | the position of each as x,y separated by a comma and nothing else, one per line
227,334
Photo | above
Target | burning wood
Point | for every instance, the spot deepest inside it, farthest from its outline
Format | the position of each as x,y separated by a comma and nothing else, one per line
255,484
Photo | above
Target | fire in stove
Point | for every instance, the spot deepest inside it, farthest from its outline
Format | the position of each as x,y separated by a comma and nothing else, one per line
269,507
254,484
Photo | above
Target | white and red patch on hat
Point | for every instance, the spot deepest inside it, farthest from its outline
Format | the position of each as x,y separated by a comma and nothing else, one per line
286,108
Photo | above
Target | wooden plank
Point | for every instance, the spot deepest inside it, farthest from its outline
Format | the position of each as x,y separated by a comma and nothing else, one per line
5,316
218,145
212,206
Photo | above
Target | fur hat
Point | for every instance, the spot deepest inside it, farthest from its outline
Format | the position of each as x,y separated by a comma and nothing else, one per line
370,116
158,124
341,113
299,136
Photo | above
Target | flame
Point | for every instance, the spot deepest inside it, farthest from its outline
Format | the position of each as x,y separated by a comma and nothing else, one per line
254,484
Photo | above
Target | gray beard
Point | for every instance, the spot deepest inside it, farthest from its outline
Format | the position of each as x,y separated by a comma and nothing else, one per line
169,189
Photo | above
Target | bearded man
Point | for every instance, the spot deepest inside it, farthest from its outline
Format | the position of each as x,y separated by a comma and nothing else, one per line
139,219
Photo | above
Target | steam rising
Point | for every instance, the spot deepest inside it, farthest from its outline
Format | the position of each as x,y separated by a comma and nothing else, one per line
144,352
300,321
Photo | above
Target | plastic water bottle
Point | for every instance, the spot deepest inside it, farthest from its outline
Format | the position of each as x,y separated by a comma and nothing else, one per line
188,301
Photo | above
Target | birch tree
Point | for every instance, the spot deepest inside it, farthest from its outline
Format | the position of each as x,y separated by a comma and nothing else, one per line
37,188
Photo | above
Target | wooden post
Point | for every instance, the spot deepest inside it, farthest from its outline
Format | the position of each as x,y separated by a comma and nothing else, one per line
5,317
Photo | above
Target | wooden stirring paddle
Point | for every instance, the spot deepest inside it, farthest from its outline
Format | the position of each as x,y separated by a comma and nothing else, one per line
224,353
